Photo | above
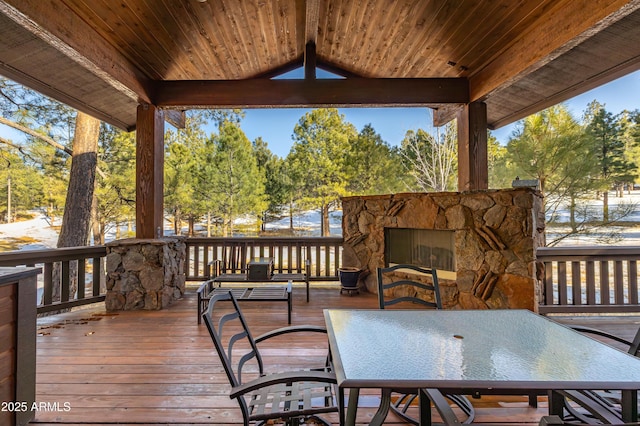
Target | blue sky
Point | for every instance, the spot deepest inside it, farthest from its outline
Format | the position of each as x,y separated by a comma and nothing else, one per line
275,126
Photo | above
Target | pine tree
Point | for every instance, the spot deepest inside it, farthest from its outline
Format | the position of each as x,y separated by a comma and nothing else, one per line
373,166
605,131
318,160
236,185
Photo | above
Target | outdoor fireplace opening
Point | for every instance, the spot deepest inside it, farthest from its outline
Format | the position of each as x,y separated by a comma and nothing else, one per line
422,247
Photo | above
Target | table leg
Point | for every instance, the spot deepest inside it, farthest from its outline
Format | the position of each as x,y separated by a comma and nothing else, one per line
424,404
629,406
556,404
352,407
383,409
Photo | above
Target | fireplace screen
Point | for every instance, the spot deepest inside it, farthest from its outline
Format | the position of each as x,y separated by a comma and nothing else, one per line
422,247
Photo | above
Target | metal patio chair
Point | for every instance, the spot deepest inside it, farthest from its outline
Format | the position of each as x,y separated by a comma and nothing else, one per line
597,406
405,292
294,397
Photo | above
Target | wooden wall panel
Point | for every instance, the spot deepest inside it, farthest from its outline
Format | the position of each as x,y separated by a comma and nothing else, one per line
8,314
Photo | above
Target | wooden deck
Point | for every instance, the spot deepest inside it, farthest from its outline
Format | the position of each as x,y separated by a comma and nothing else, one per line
160,367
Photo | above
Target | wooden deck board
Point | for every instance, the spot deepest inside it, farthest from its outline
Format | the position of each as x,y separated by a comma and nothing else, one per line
160,367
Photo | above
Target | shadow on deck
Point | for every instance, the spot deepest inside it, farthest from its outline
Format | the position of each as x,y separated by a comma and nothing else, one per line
160,367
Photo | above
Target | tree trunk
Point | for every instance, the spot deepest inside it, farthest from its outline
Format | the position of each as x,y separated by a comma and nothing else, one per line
98,236
291,215
605,206
192,226
572,214
77,210
325,220
177,222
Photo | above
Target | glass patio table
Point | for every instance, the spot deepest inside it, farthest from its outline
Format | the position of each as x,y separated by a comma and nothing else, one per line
462,351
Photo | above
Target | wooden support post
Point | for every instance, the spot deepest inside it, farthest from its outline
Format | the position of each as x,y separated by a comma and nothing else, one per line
310,61
472,147
149,171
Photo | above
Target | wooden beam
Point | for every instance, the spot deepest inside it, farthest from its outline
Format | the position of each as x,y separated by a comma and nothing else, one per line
312,17
473,171
577,21
262,93
176,118
149,172
445,113
73,37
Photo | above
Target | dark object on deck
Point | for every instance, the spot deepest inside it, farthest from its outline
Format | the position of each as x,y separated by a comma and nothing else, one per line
601,406
349,277
261,269
291,396
409,294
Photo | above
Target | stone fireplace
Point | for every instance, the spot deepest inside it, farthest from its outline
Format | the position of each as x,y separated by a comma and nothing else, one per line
495,235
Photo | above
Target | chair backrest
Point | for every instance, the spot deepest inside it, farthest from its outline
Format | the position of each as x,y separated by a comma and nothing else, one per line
232,339
412,289
633,346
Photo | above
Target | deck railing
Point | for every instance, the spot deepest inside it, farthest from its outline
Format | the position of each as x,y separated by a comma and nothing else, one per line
576,279
289,255
64,266
590,279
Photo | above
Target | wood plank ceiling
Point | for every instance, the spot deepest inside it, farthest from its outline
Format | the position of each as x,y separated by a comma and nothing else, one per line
106,56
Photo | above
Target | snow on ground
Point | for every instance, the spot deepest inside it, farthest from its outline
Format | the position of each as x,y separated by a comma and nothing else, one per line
309,222
38,229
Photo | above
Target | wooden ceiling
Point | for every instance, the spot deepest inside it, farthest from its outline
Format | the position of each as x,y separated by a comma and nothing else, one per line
107,56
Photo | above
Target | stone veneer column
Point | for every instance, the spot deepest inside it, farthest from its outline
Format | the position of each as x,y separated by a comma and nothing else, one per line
145,274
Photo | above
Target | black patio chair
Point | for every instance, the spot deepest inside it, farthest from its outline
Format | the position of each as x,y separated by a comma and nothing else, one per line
404,292
293,397
597,406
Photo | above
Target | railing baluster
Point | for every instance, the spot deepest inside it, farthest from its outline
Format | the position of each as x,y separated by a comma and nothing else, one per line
549,292
81,278
618,282
562,283
65,282
576,283
590,274
196,259
605,298
48,283
633,282
97,275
